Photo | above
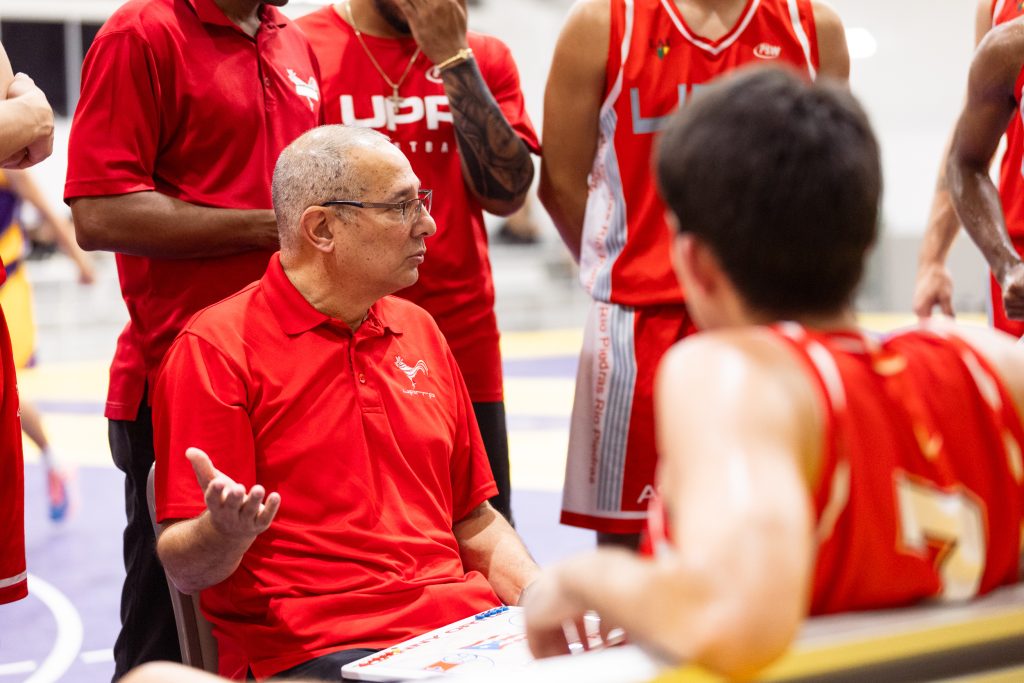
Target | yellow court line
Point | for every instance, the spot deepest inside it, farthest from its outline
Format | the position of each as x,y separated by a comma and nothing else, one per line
1011,675
539,343
881,649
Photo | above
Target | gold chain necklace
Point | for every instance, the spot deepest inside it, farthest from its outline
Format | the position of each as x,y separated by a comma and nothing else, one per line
395,99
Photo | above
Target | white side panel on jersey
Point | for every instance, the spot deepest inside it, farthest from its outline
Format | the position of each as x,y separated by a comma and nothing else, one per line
801,35
604,221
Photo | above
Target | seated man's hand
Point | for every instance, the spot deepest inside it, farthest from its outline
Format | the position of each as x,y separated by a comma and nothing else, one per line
233,512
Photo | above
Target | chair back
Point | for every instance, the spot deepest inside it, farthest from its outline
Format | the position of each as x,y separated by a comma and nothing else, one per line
198,645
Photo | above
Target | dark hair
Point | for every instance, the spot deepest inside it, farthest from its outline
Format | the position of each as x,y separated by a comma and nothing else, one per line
781,178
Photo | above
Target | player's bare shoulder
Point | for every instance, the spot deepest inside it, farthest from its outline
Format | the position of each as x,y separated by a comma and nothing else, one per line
718,375
749,354
586,31
1000,56
833,54
596,13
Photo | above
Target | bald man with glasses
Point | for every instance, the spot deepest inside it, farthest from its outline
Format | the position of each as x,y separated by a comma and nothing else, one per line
341,504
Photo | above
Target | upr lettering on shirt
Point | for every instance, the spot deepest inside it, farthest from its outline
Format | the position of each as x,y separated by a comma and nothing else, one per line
648,125
432,108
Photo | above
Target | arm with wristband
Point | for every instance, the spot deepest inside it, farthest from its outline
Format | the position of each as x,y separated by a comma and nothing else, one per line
496,164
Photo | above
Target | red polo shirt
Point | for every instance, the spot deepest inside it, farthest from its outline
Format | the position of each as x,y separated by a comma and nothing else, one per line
177,99
370,440
13,579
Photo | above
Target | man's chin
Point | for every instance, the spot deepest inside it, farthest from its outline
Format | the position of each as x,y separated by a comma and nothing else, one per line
393,17
399,25
276,3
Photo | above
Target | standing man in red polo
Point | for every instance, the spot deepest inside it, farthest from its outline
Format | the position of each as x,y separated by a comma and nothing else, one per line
450,100
26,138
185,106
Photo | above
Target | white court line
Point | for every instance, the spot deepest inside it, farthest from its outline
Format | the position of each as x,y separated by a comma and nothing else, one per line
69,632
17,668
97,656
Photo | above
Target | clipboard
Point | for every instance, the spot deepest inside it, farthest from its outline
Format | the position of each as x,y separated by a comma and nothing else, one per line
491,641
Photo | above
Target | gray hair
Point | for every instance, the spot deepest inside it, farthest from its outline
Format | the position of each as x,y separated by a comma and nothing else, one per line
315,168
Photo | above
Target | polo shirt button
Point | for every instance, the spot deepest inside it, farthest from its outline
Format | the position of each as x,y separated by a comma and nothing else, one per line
362,378
266,81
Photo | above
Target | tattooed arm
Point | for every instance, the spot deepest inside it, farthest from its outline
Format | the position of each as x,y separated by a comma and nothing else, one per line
496,163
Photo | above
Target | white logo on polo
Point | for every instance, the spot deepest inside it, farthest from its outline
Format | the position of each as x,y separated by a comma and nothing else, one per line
767,51
411,371
308,89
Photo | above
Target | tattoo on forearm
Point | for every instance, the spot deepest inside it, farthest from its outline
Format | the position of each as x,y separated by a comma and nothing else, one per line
497,161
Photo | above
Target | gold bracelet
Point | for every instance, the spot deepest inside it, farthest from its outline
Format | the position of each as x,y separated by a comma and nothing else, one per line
458,58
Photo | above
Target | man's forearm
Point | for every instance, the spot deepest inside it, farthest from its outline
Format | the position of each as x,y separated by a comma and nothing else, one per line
155,225
496,162
488,544
196,555
979,208
566,208
941,230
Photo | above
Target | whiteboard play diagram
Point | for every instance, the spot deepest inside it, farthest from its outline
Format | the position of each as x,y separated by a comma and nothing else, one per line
491,640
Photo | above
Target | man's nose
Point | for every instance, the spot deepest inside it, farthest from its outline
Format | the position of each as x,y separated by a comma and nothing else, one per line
424,225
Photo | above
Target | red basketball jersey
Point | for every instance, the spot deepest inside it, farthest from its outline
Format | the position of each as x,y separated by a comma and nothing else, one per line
1011,169
921,490
655,63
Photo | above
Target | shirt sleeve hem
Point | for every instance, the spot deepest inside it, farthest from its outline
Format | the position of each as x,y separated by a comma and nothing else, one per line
99,188
480,496
167,512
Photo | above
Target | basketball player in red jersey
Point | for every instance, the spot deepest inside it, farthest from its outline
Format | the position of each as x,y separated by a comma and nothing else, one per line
934,286
450,100
621,68
804,462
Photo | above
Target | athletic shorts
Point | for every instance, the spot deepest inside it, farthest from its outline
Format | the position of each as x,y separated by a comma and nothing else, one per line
609,475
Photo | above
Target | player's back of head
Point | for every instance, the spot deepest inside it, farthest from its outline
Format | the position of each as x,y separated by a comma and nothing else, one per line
782,179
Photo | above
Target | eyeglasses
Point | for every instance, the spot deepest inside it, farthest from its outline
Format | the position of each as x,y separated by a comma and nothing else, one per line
411,210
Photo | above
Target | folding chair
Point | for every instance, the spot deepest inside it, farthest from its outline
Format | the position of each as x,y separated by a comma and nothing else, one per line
198,645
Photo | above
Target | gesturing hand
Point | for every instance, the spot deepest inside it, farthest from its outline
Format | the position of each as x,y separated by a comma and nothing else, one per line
438,26
233,512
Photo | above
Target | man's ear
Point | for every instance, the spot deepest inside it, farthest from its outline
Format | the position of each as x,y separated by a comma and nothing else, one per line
316,228
695,265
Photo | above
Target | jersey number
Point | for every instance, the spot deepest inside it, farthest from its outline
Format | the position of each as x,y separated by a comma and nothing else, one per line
951,520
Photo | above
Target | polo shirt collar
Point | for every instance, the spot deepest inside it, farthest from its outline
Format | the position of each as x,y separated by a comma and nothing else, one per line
295,315
209,13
